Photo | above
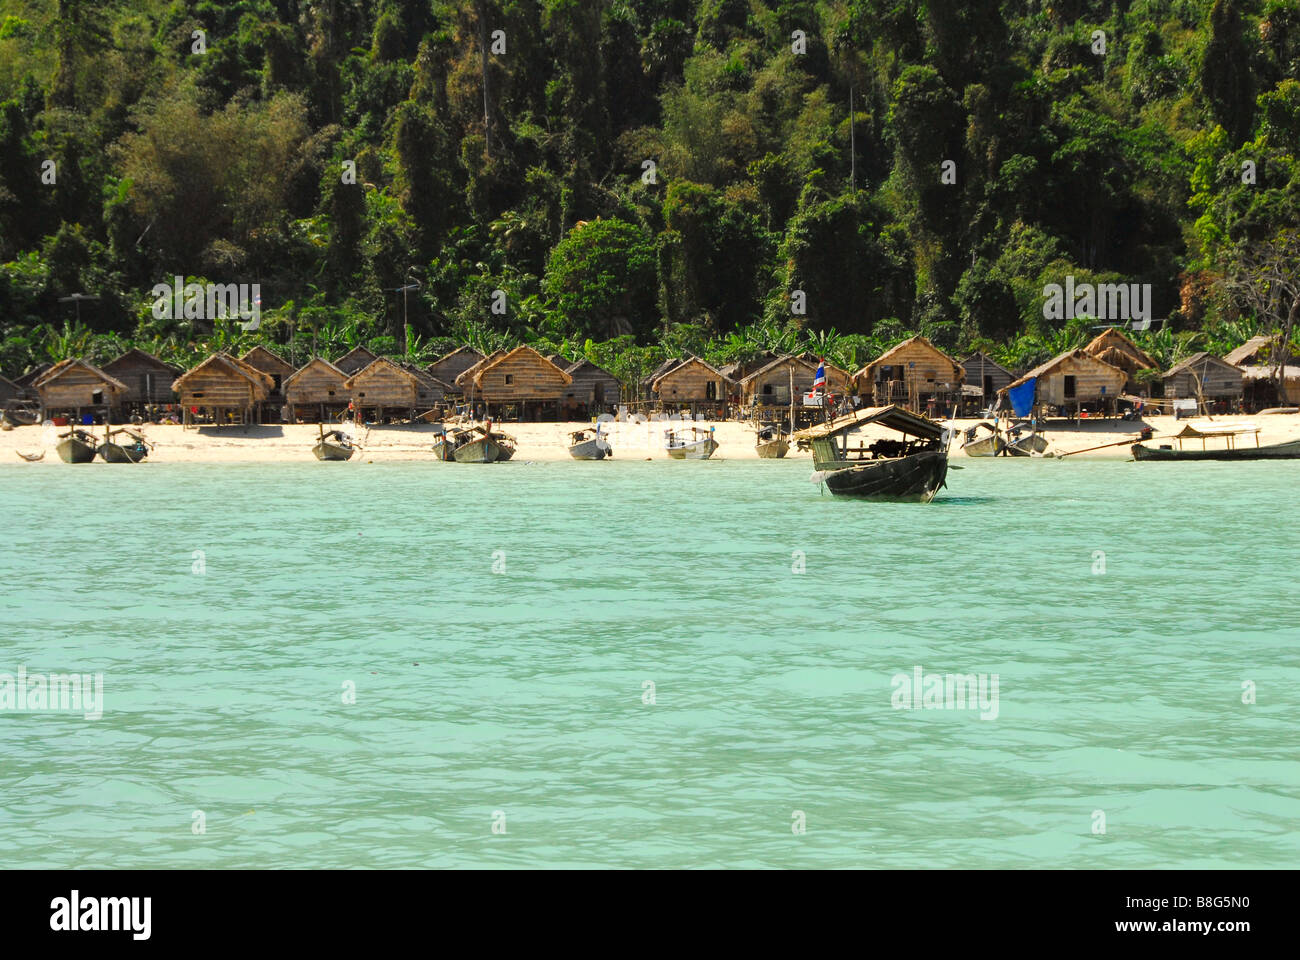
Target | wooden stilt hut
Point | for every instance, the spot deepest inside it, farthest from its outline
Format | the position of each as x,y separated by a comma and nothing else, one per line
223,390
591,390
450,366
148,381
355,360
74,387
914,374
1113,347
695,385
1073,382
316,391
384,389
260,358
520,384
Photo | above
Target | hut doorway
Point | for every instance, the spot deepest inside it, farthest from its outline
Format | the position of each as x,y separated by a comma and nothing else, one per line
1069,387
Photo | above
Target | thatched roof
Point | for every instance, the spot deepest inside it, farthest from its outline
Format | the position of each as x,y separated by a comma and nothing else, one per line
501,356
355,360
424,376
1265,372
892,416
260,358
898,348
586,367
1255,350
1111,346
663,368
1197,360
375,365
1043,369
136,358
471,373
74,363
29,378
314,362
805,360
231,364
686,363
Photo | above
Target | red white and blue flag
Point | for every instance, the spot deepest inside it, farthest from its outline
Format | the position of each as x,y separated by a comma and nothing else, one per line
819,380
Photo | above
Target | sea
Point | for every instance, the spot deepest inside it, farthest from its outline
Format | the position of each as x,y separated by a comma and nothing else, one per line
664,664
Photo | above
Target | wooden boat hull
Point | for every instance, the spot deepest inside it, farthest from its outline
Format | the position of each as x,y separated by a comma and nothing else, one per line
1027,446
594,449
1274,451
989,446
482,450
504,450
332,451
72,450
443,450
123,453
696,450
916,478
773,449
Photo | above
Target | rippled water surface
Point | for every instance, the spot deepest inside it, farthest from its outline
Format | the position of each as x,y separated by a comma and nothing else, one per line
521,692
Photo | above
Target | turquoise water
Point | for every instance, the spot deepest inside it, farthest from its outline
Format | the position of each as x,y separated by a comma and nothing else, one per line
520,692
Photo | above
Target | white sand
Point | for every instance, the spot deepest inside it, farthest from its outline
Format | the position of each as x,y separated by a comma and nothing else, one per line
549,441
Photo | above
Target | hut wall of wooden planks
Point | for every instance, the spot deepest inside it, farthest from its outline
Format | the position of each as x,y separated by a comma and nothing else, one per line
316,391
72,385
9,391
592,390
989,376
148,380
1072,380
382,388
262,359
520,384
914,374
223,390
695,385
1204,375
766,391
355,360
450,366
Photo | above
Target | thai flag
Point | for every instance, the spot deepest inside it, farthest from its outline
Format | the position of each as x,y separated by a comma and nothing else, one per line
820,379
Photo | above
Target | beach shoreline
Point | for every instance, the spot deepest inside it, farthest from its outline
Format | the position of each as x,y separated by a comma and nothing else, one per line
274,443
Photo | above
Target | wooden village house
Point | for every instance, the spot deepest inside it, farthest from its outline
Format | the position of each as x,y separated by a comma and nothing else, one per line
260,358
355,360
9,391
148,381
450,366
222,390
766,393
518,384
694,385
26,382
982,372
316,391
76,388
1260,388
384,390
1113,347
1256,352
914,374
1073,382
591,391
1204,377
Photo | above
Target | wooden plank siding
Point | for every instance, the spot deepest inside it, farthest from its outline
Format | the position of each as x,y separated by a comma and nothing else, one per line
450,366
384,386
591,387
355,360
770,384
1204,374
148,380
982,371
522,374
221,385
1072,379
72,384
911,374
690,381
316,390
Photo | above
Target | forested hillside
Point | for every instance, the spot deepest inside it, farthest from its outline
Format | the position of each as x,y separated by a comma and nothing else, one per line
719,176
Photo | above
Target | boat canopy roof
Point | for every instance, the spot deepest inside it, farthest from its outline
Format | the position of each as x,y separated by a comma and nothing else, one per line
893,416
1190,432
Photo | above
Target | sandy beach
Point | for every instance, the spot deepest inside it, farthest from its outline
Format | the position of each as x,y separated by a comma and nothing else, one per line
549,441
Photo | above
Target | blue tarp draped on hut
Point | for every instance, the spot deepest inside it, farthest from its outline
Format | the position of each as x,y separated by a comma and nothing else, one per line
1022,397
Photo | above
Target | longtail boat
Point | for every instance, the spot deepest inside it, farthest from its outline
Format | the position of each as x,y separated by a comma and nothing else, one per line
1228,433
770,443
911,469
77,446
335,445
589,444
477,445
443,447
694,443
133,451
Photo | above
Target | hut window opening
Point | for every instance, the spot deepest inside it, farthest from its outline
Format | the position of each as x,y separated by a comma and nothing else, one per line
1069,386
97,396
710,391
510,379
331,392
767,389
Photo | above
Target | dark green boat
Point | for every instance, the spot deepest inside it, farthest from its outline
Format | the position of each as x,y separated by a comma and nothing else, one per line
913,468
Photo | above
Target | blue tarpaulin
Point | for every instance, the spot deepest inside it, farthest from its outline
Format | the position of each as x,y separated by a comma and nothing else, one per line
1022,397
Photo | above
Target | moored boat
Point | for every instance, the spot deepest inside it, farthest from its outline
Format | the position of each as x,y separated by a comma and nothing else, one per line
444,447
693,443
771,444
1229,434
911,469
133,451
334,446
589,444
477,445
77,446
